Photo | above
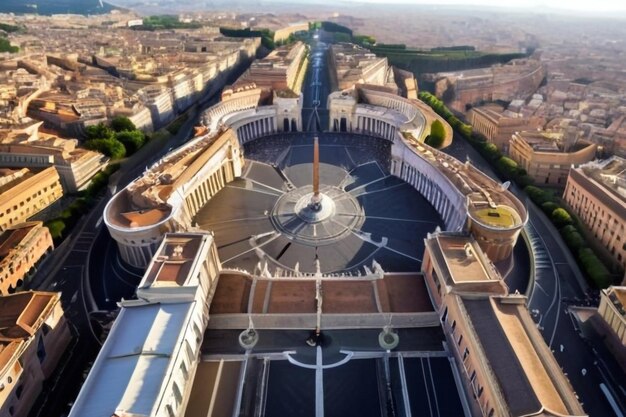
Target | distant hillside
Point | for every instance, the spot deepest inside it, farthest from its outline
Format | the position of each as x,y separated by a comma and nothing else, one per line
48,7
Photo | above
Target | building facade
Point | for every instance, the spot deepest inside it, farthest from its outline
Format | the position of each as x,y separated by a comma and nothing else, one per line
24,193
517,78
30,148
596,192
506,367
545,156
282,70
612,309
22,247
498,127
35,335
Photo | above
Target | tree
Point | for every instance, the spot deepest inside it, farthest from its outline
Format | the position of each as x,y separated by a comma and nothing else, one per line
99,131
437,135
132,140
110,147
122,123
56,228
489,151
572,237
594,268
560,217
537,195
507,167
548,207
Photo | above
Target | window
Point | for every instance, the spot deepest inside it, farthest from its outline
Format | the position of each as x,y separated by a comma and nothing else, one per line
177,394
183,369
41,350
460,339
196,329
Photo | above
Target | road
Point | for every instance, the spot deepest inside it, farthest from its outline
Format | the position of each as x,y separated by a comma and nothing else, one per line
316,88
558,278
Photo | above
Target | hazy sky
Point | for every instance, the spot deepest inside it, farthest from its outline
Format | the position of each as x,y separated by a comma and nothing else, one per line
538,5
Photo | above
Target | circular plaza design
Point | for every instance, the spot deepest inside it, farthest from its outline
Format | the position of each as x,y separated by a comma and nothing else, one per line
265,219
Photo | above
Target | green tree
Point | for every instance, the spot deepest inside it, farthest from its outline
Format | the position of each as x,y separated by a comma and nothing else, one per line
537,195
572,237
594,268
560,217
507,167
5,46
489,151
110,147
132,140
99,131
56,228
437,135
122,123
548,207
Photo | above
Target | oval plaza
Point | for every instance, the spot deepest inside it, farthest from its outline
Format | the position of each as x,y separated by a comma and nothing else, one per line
307,254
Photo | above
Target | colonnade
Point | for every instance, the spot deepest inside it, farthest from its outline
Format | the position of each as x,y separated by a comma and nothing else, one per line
483,125
389,101
214,115
255,129
366,125
376,127
450,207
138,256
204,190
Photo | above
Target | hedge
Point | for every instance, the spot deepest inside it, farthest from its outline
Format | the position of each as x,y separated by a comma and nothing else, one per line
594,268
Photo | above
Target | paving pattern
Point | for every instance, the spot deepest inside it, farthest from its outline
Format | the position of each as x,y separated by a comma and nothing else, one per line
374,216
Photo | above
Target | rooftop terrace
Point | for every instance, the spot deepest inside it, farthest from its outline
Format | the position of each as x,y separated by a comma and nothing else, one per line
172,264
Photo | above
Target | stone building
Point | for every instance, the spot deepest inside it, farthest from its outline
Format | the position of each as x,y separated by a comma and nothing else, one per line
282,70
147,364
170,194
33,337
350,64
612,309
596,192
30,148
498,126
548,156
21,248
24,193
517,78
504,362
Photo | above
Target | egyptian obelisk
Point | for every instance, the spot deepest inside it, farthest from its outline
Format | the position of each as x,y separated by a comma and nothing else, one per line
316,200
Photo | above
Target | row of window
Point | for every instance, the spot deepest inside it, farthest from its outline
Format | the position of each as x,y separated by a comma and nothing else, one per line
476,388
